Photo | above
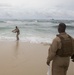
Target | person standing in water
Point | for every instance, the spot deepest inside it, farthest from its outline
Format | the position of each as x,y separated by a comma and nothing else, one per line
17,31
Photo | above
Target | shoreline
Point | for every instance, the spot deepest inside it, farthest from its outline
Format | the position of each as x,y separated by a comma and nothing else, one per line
22,41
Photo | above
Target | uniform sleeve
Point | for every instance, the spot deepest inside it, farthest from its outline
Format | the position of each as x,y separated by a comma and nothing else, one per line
73,45
52,50
72,57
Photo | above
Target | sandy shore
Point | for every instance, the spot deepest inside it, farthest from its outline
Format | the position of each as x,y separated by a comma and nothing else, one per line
20,58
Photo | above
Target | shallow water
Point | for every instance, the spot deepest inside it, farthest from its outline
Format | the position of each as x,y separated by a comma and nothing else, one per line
36,31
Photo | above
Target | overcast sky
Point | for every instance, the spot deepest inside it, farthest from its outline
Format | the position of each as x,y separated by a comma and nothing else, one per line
40,9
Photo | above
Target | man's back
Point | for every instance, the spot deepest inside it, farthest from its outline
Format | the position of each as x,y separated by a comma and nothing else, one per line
66,46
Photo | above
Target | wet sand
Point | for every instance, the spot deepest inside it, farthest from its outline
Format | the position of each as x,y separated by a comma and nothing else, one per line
20,58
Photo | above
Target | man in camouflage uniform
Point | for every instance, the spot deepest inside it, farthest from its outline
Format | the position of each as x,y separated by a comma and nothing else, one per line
59,64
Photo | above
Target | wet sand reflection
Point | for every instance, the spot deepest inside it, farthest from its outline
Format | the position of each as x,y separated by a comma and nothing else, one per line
16,49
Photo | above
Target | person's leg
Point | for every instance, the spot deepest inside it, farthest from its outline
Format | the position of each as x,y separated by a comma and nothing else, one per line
17,36
57,70
65,69
60,66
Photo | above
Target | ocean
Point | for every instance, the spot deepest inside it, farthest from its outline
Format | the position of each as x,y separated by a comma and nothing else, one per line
33,31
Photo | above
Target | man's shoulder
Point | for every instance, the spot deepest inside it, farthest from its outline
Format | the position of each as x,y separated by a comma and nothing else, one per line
57,39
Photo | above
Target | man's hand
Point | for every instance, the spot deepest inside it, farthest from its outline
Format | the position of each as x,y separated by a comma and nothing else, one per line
48,63
72,60
72,57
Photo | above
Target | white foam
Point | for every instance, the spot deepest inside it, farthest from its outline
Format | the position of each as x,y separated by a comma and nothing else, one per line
29,39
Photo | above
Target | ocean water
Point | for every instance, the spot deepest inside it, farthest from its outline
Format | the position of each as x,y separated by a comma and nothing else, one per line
34,31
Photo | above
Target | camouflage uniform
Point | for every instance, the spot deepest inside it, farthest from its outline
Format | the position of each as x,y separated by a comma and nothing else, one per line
59,64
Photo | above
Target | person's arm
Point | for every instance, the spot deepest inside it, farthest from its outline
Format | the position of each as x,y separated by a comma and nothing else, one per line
13,30
72,57
52,51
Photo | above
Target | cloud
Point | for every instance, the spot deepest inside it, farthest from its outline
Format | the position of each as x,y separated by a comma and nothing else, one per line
3,5
59,9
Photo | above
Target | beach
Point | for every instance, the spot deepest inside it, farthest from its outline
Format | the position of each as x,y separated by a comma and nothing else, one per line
24,58
20,58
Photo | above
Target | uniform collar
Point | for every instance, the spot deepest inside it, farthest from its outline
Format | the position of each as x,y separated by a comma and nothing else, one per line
63,33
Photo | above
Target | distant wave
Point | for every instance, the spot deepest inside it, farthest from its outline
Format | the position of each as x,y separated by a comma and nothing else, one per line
2,22
50,20
69,27
60,21
43,20
38,20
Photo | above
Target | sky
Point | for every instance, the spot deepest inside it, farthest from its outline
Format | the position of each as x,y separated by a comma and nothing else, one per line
36,9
